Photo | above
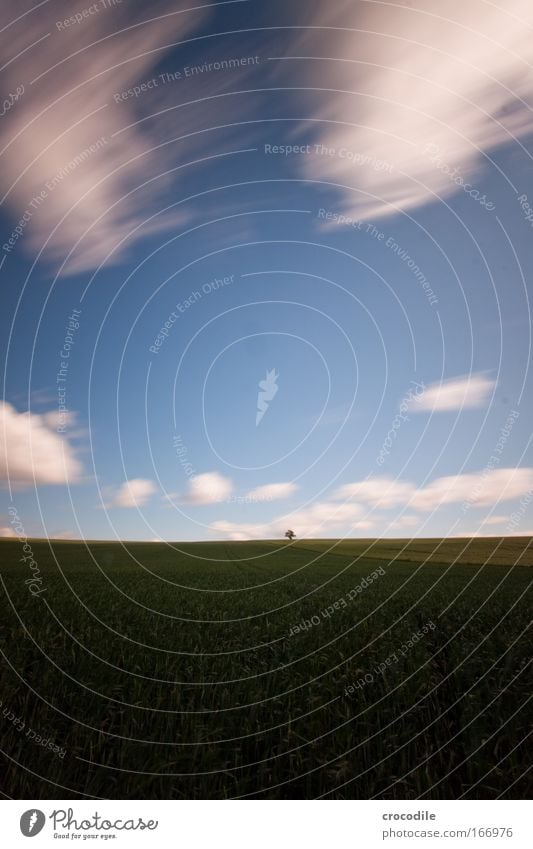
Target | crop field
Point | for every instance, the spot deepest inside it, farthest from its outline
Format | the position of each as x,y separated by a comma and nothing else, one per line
343,670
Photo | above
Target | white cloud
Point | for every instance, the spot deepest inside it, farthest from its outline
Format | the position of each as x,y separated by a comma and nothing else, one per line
454,75
208,488
31,450
494,520
406,521
314,521
71,106
7,532
378,491
234,531
477,489
364,525
54,419
484,488
459,393
272,492
133,493
322,517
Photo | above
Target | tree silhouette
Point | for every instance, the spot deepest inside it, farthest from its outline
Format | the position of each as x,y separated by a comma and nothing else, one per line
290,535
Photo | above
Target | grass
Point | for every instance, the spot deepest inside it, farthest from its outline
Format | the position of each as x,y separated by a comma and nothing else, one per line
180,672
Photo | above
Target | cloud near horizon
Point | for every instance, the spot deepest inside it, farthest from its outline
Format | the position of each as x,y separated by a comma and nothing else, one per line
353,506
312,521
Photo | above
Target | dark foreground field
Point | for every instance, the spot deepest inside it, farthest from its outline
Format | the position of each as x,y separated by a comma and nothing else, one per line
267,671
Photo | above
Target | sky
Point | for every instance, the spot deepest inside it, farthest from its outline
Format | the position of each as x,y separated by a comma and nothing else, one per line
266,267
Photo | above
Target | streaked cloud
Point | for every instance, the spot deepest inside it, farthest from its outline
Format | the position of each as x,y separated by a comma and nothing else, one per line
236,531
319,519
494,520
272,492
484,488
459,393
378,492
403,522
418,95
479,489
70,79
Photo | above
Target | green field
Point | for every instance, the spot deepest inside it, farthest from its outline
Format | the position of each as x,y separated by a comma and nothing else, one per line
264,670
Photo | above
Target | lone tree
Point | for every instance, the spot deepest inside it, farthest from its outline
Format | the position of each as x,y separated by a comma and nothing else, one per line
290,535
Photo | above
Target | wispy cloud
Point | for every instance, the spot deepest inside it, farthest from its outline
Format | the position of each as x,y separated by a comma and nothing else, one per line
403,522
70,79
484,488
355,506
272,492
480,489
423,90
31,450
380,491
494,520
319,519
458,393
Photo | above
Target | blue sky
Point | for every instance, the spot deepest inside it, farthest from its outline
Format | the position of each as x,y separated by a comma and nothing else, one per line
349,230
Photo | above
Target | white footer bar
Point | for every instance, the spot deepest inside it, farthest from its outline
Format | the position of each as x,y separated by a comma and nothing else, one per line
267,824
